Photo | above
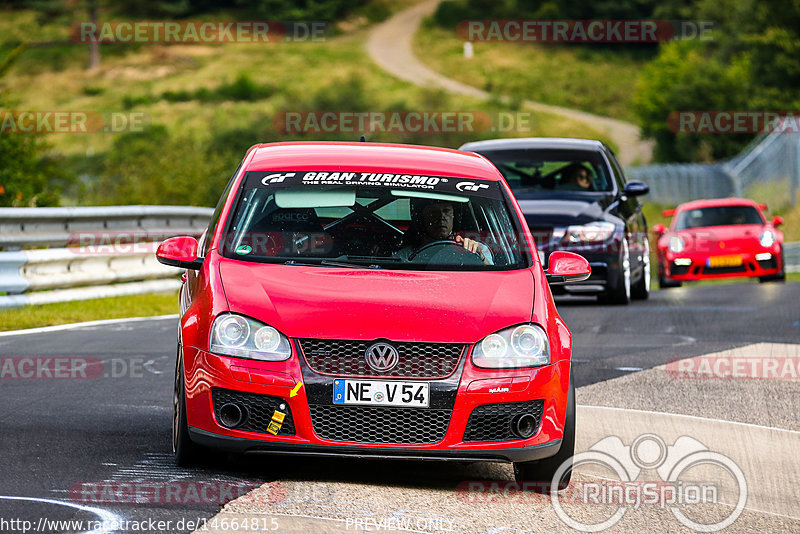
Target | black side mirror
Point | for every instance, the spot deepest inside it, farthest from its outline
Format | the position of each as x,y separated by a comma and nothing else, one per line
635,188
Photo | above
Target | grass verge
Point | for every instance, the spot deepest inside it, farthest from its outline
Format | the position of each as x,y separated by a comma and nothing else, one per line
89,310
598,81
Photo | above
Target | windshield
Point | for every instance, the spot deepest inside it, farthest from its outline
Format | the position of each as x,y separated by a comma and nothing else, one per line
718,216
454,224
544,171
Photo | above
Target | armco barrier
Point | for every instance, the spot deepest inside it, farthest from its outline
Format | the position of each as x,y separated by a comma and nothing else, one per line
101,251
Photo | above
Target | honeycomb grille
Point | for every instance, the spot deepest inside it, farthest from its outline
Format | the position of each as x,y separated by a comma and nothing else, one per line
360,424
492,422
348,358
258,408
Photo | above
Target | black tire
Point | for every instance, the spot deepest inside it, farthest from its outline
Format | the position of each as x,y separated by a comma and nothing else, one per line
664,282
186,452
641,289
542,471
780,277
621,294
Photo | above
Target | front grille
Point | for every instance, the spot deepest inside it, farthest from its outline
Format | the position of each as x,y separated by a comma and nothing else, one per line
387,425
492,422
347,358
725,270
258,410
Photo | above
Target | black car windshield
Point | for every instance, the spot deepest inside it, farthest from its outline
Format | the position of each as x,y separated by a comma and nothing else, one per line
717,216
391,225
544,171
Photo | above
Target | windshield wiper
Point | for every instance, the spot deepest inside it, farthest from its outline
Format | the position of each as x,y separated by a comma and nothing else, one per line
327,263
349,265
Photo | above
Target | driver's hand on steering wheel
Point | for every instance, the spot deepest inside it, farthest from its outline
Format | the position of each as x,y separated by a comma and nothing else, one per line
472,246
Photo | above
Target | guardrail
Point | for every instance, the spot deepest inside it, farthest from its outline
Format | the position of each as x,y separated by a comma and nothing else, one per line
107,251
100,251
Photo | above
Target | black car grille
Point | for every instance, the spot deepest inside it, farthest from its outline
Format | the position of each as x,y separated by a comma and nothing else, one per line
725,270
493,422
258,410
347,358
387,425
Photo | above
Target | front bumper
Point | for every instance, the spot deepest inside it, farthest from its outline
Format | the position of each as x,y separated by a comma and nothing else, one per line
206,373
259,446
688,266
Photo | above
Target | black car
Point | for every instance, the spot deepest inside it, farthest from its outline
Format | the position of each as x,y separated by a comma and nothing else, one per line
575,197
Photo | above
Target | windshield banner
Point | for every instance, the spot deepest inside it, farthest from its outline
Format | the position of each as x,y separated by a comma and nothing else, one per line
418,182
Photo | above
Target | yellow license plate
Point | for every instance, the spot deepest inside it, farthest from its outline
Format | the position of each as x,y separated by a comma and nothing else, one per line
724,261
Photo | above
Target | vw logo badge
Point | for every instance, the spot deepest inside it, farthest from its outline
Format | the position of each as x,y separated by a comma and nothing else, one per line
382,357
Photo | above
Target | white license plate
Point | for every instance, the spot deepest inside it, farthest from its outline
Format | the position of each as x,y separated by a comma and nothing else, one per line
381,393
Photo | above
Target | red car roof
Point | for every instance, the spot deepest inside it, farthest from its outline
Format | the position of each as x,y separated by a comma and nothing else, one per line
370,157
713,202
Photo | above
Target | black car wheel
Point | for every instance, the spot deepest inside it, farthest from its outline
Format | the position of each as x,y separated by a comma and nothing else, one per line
186,452
621,293
641,289
664,282
780,277
543,471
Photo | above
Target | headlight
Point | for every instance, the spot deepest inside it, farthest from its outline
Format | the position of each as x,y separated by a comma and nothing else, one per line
676,244
767,238
519,346
595,232
234,335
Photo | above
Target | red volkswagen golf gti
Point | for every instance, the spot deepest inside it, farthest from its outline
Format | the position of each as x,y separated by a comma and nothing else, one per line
372,300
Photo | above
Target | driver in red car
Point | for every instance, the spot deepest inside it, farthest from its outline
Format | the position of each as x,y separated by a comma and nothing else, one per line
431,221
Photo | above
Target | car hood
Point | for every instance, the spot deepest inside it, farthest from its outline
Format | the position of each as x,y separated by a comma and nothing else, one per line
564,211
342,303
722,238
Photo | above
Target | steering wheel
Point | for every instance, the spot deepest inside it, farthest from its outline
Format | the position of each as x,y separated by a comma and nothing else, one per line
458,249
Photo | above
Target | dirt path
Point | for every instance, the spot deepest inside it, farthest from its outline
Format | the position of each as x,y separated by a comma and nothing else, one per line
390,46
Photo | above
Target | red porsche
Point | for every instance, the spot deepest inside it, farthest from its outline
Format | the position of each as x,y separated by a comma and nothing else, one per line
373,300
719,238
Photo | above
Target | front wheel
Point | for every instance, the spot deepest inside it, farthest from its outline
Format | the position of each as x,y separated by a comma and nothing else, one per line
185,451
621,294
641,289
543,471
780,277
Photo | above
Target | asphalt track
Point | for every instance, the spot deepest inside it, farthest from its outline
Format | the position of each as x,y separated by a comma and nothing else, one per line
56,433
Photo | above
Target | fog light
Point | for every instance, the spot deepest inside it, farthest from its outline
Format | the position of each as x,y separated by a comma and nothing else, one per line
682,261
764,256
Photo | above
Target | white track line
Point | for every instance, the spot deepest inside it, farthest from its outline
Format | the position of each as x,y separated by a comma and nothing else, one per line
56,328
689,417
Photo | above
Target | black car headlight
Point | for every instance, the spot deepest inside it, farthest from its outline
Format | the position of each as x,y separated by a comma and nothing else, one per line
235,335
587,234
519,346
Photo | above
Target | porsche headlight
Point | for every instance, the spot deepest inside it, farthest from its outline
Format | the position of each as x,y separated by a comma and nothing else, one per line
676,244
594,232
767,238
519,346
234,335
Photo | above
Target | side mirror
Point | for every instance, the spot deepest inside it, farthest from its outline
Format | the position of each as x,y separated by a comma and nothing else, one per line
777,221
659,229
180,252
635,188
567,267
668,213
